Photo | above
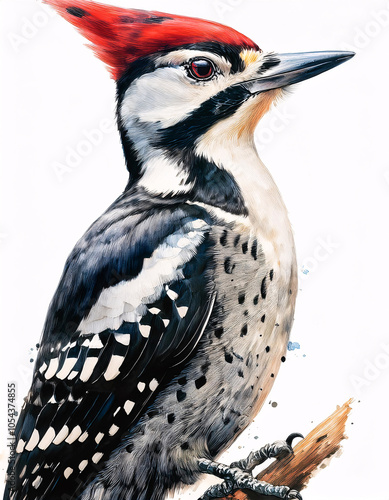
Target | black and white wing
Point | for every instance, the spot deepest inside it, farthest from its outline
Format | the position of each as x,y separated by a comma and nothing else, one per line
131,306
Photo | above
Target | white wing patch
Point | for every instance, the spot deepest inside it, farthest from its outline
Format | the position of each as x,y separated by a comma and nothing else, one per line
125,302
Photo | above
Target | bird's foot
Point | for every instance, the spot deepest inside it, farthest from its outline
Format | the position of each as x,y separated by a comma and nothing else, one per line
279,449
239,474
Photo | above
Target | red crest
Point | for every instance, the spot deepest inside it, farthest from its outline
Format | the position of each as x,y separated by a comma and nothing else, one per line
120,36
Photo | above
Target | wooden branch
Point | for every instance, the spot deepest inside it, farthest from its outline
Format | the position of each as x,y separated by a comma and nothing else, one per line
310,454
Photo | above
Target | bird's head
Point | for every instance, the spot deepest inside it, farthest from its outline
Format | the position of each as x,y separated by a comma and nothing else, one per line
185,85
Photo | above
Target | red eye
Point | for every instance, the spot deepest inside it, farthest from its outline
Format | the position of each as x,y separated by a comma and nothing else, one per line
201,69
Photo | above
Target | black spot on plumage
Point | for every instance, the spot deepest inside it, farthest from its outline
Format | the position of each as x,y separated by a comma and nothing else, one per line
219,332
181,395
76,11
243,331
283,359
171,418
156,19
254,249
185,446
228,266
228,357
263,318
182,380
156,447
272,375
205,366
238,356
200,382
267,348
246,313
241,298
263,288
240,373
255,300
152,413
271,274
129,448
223,238
236,240
245,247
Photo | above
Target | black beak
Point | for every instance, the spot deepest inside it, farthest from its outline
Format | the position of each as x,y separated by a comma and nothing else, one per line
287,69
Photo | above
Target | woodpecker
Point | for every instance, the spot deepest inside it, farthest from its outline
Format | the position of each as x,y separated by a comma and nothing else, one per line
173,312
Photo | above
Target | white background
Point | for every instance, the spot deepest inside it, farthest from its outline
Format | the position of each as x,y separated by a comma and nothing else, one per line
327,147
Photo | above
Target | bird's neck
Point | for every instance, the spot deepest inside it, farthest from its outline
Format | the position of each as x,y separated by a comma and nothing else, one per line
267,215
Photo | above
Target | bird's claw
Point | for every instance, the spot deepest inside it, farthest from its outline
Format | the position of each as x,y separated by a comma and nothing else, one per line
294,494
291,437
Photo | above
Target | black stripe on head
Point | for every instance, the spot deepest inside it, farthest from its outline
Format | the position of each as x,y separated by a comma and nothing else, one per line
146,64
230,52
183,134
221,106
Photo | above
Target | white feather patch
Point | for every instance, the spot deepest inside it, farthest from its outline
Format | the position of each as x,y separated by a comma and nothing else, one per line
97,457
113,430
75,434
112,370
61,435
88,368
171,294
83,464
53,366
153,384
96,343
128,406
67,472
34,440
123,338
83,437
182,311
66,368
144,330
72,375
20,446
99,437
47,439
37,482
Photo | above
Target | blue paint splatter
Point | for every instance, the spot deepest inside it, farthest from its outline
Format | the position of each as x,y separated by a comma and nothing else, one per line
293,345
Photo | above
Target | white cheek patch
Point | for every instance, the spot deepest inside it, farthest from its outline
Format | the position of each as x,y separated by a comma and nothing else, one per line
165,97
163,267
163,176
